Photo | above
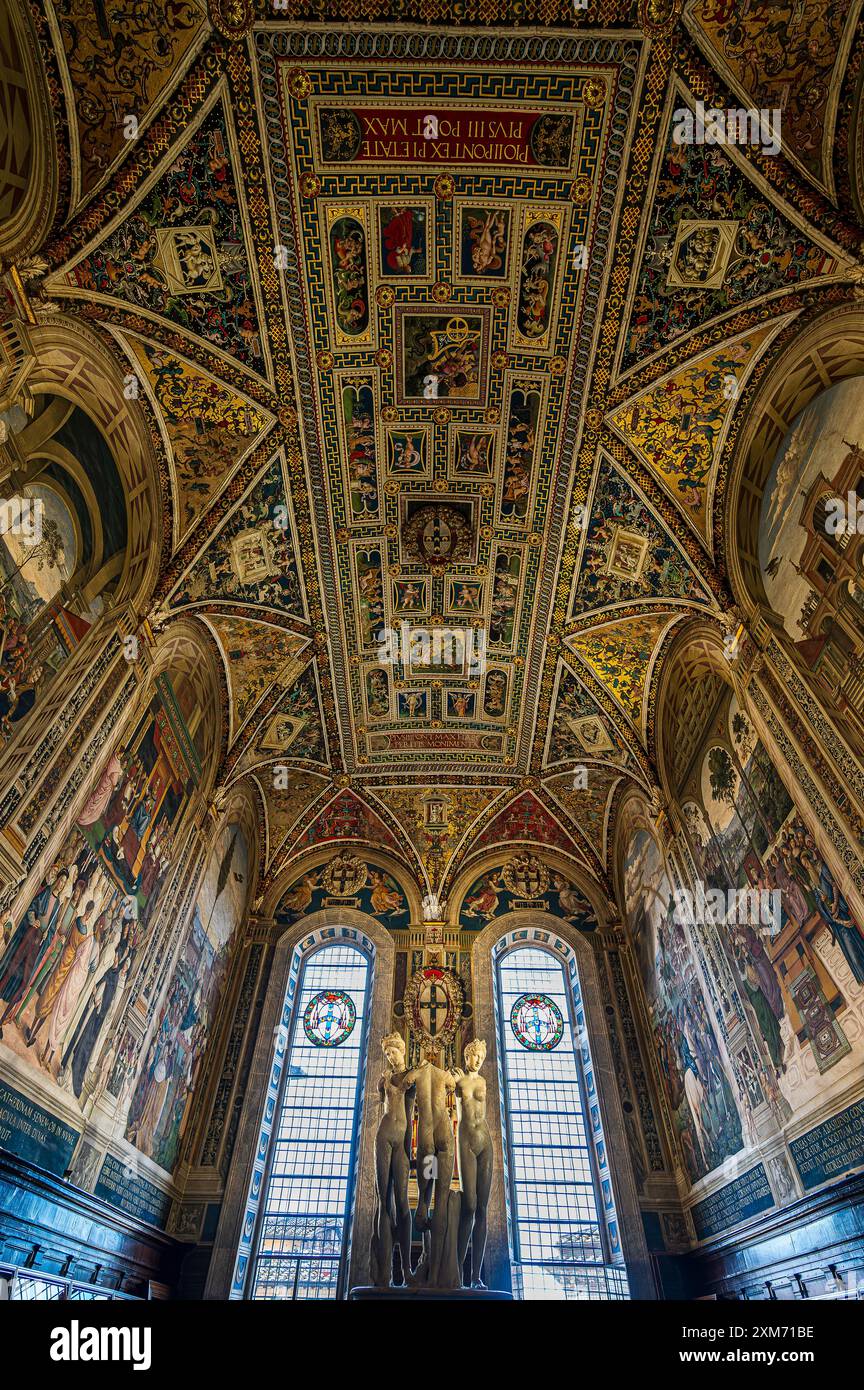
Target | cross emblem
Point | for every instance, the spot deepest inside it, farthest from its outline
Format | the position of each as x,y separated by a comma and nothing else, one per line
433,999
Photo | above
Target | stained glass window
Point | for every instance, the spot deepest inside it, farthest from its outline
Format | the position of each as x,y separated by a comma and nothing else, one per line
329,1018
304,1221
536,1022
559,1238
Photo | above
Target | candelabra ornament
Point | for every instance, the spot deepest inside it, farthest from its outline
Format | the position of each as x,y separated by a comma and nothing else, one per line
451,1223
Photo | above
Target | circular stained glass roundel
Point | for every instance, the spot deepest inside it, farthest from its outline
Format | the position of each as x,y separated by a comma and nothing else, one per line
536,1022
329,1018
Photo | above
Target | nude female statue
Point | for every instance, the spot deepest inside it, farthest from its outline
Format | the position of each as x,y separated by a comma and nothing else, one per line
475,1160
392,1162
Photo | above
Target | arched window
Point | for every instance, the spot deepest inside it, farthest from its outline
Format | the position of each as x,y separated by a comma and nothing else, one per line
304,1220
561,1212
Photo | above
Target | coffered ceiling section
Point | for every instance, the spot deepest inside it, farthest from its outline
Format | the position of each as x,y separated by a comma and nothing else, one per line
444,233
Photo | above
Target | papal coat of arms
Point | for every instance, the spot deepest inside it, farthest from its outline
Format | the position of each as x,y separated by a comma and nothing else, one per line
433,1004
525,876
344,876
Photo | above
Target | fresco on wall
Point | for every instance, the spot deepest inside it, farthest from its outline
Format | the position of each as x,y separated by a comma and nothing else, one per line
39,552
347,881
65,962
522,882
163,1098
700,1096
805,584
797,958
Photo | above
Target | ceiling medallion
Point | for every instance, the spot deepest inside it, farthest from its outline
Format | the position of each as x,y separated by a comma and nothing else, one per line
657,15
445,187
433,1005
437,536
299,84
231,18
593,92
344,876
581,189
525,876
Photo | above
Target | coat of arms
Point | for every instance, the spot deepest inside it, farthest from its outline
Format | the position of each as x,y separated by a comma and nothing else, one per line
344,876
433,1004
525,876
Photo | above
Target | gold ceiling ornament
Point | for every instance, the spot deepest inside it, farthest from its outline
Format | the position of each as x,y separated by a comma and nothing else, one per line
392,487
299,84
433,1005
492,415
525,876
535,538
437,535
501,297
385,296
344,876
310,185
441,292
442,415
231,18
342,782
384,358
581,189
440,485
500,360
389,412
593,418
557,366
657,16
594,92
343,534
553,640
444,187
324,359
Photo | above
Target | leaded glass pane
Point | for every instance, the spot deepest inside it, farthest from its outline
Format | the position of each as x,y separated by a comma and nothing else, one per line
556,1226
304,1219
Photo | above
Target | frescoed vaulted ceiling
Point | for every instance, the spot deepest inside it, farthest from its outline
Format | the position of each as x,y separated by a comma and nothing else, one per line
439,330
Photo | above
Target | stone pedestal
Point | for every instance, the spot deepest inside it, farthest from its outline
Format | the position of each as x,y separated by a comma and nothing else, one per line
367,1293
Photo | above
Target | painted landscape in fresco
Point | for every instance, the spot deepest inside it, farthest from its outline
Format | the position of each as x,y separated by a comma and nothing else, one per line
699,1092
163,1098
747,834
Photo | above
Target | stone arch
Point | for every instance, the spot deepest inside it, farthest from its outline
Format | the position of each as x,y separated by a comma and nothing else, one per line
825,352
566,943
28,151
689,685
316,857
557,860
184,648
306,936
71,362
